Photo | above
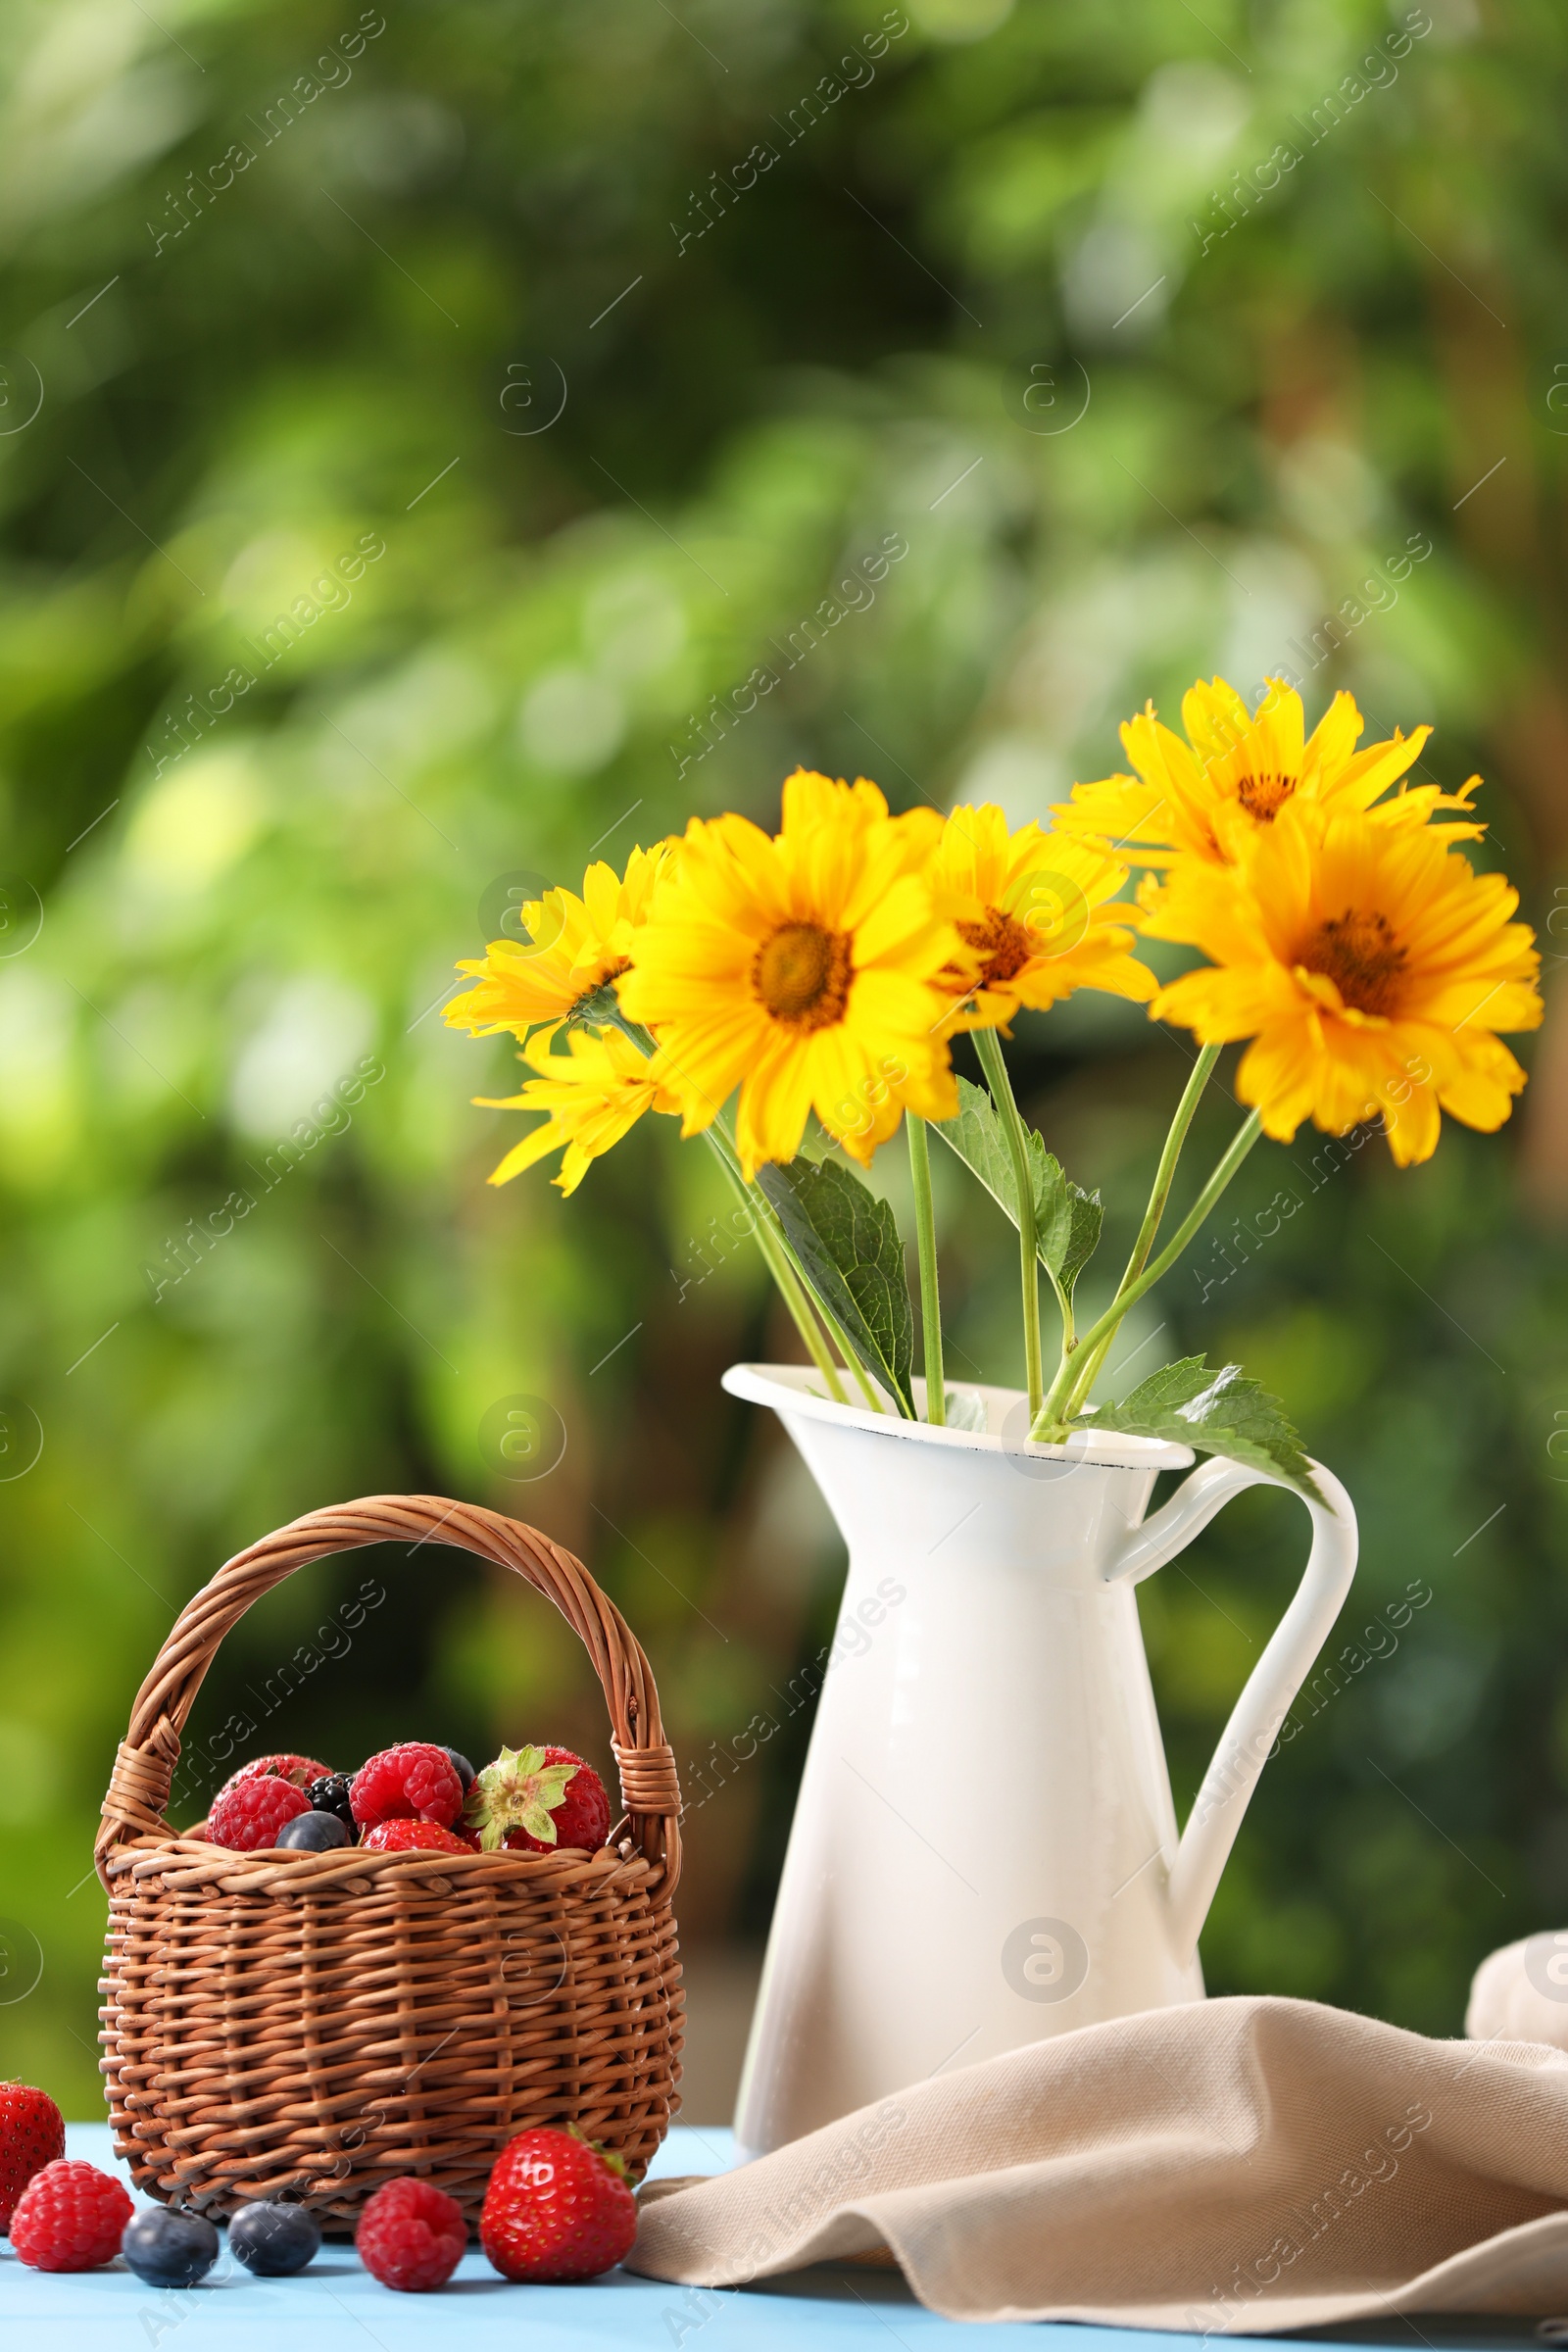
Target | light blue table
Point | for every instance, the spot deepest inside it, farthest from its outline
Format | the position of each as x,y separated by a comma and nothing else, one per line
336,2306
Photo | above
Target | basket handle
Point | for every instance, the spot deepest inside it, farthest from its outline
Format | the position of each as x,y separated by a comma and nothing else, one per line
144,1766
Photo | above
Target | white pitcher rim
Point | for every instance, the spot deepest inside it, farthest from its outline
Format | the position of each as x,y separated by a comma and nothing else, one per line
789,1388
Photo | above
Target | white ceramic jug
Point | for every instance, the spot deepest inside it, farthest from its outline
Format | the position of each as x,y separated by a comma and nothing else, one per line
984,1850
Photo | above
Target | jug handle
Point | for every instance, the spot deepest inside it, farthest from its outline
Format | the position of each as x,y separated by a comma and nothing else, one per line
1250,1735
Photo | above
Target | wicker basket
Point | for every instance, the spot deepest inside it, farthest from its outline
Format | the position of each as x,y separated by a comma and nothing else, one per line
317,2024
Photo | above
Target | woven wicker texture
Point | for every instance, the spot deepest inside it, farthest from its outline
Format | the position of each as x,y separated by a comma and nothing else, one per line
322,2023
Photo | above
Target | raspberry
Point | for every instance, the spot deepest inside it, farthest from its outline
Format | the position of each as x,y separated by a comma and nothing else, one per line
70,2217
410,2236
33,2133
558,2208
404,1837
534,1801
249,1814
301,1770
411,1781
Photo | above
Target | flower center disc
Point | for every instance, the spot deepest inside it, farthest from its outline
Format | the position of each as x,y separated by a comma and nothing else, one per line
1263,797
802,973
1003,943
1361,954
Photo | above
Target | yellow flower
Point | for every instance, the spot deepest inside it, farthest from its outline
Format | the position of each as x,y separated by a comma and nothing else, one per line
1031,909
575,946
800,968
815,799
594,1092
1372,969
1219,792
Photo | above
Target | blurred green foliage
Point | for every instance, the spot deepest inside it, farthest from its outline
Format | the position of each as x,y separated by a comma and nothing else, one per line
1034,287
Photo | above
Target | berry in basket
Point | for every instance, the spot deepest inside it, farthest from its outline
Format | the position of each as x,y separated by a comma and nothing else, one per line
534,1801
411,1781
558,2208
33,2133
314,1833
597,1928
409,1836
330,1794
301,1770
412,2236
248,1814
70,2216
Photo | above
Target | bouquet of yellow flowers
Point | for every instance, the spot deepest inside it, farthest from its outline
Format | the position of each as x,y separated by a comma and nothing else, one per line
827,968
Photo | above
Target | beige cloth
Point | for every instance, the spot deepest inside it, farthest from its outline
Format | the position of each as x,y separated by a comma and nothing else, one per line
1521,1993
1230,2167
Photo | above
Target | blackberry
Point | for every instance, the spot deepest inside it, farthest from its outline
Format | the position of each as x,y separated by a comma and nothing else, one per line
330,1794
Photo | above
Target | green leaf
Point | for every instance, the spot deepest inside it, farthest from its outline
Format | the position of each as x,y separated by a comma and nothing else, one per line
1067,1219
976,1134
966,1410
518,1791
849,1244
618,2163
1218,1412
1083,1240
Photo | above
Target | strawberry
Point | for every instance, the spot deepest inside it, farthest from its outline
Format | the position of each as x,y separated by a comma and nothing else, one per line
410,1837
33,2133
558,2208
536,1799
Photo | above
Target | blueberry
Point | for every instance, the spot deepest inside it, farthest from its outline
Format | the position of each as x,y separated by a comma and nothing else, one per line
274,2240
165,2249
461,1767
313,1833
332,1795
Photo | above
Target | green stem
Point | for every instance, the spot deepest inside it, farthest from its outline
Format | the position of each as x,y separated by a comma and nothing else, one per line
1091,1360
799,1301
801,1294
925,1235
1051,1421
789,1272
840,1339
995,1070
799,1291
778,1266
1065,1307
